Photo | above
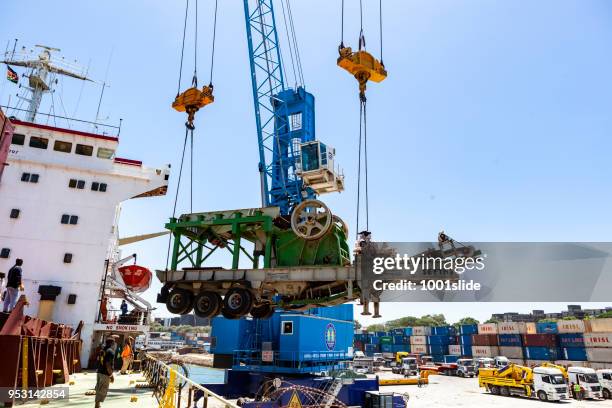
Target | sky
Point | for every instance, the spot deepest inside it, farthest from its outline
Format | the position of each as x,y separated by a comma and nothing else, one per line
493,124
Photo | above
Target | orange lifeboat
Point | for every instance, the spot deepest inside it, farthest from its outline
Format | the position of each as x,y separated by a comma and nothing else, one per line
136,278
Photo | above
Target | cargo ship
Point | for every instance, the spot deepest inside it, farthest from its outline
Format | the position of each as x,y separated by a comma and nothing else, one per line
61,189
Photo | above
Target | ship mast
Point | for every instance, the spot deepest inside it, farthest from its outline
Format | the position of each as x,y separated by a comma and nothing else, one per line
39,81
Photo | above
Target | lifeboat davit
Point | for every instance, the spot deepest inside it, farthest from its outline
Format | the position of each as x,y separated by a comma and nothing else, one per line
136,278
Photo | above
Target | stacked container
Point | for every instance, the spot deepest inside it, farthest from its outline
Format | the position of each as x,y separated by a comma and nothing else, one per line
421,331
485,343
599,341
571,340
511,340
465,338
542,346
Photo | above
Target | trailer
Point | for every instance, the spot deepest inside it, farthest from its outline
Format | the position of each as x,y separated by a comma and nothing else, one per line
544,383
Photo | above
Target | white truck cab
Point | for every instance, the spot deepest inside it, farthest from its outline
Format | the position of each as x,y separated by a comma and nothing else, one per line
587,379
605,379
465,367
501,361
549,384
484,362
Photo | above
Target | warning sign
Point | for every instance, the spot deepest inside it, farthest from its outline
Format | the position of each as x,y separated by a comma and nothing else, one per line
295,402
267,356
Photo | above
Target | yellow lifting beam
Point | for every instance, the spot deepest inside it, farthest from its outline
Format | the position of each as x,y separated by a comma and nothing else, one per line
363,66
192,100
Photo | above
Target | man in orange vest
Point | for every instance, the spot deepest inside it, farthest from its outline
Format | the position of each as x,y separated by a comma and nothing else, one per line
126,355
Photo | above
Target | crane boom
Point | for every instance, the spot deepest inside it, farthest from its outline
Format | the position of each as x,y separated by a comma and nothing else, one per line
284,116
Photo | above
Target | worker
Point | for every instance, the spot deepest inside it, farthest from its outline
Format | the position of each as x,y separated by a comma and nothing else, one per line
13,286
577,391
104,309
124,307
106,358
127,355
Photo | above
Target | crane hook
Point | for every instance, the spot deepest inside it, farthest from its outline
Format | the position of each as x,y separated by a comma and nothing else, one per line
192,100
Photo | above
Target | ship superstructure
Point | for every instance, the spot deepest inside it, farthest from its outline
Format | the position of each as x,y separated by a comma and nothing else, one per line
60,200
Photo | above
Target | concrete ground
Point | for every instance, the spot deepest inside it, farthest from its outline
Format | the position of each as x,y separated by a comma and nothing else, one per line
443,391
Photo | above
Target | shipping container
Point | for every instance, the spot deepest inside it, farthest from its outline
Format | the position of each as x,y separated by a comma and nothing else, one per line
418,339
421,331
512,328
419,349
571,339
510,340
468,329
599,366
454,350
598,339
518,361
438,349
599,354
465,339
450,358
484,340
400,347
446,340
542,353
358,345
546,328
540,340
466,350
373,348
535,363
575,353
386,340
485,351
443,331
438,358
487,328
381,333
397,332
570,326
531,328
511,352
386,348
571,363
600,325
398,339
408,331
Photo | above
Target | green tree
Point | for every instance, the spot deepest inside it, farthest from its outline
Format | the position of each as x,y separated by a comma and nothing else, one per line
605,315
466,320
492,320
376,327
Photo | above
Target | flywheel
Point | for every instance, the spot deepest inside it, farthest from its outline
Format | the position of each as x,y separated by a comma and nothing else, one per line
311,219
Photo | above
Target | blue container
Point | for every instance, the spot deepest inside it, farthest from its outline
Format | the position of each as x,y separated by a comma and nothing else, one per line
368,353
546,328
305,337
373,339
380,334
438,349
575,354
408,331
468,329
372,348
510,340
438,358
400,347
339,312
443,331
465,340
397,332
542,353
230,335
398,339
450,358
466,350
444,340
386,348
571,340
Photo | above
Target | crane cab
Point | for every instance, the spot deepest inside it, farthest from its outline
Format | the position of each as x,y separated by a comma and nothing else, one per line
316,168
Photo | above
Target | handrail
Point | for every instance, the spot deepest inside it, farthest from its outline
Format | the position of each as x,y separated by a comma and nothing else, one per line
207,393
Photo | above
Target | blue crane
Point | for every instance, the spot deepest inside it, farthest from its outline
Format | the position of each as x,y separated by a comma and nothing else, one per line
285,119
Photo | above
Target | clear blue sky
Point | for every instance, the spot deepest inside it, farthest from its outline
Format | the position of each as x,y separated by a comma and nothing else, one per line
494,123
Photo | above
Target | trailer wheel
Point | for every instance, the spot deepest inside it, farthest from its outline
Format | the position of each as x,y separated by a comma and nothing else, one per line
494,390
207,304
237,303
606,393
504,391
180,301
262,311
542,396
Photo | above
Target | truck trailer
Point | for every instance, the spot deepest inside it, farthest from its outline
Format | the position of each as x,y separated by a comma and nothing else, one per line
544,383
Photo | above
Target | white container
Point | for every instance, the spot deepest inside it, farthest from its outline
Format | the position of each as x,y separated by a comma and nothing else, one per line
599,355
487,328
571,326
419,349
454,350
598,340
418,339
512,328
421,331
485,351
511,352
601,325
600,366
531,328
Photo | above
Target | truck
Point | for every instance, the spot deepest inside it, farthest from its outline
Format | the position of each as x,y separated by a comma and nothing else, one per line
484,362
544,383
588,379
605,379
465,368
408,366
501,361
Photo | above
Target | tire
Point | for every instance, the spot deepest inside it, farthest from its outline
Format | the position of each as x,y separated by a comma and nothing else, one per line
237,303
207,304
180,301
494,389
542,396
606,393
262,311
504,391
460,374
